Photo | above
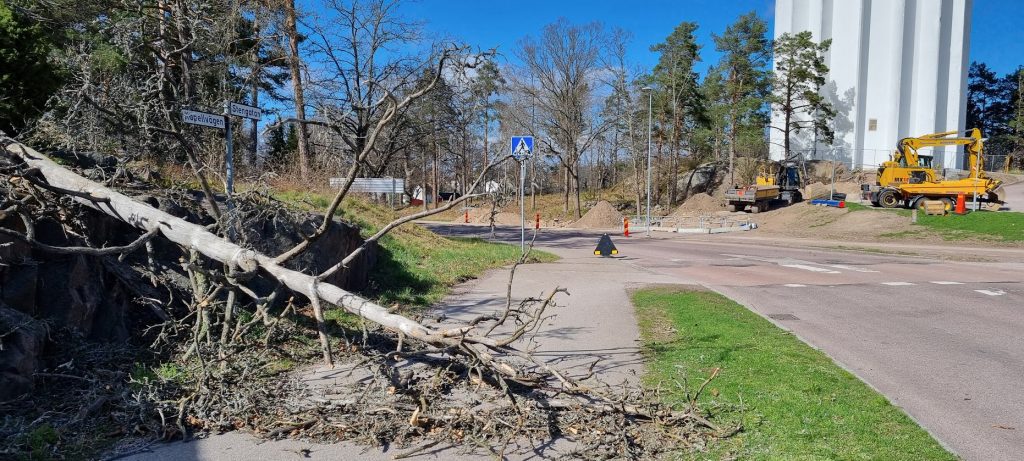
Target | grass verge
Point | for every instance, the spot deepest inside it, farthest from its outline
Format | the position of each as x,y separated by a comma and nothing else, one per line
415,267
1005,226
983,225
792,400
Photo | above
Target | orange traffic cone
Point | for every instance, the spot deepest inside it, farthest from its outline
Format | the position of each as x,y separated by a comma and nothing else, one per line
961,206
625,226
467,217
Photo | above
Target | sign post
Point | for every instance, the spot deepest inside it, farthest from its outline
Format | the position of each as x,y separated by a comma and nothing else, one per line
240,110
223,121
522,150
229,154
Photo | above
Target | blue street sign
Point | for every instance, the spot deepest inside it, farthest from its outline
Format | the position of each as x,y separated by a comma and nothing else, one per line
522,147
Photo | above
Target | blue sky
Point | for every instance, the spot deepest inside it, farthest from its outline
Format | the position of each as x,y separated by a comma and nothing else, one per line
997,33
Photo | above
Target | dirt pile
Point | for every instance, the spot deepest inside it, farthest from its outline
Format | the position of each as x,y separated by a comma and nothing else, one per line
811,221
699,203
601,216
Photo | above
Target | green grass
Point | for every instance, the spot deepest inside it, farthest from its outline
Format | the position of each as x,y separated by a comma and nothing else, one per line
792,400
980,225
906,234
1001,226
415,267
853,206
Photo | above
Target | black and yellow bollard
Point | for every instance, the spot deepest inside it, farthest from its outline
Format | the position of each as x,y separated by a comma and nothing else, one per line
605,247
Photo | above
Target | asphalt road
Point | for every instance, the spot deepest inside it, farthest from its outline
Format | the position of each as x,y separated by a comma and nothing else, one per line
941,339
1014,197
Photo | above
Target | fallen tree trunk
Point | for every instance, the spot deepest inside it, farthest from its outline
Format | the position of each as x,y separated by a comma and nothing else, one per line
196,237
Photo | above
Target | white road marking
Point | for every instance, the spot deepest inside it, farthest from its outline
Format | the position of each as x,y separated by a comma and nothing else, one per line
943,282
897,284
752,258
810,268
795,285
851,268
991,292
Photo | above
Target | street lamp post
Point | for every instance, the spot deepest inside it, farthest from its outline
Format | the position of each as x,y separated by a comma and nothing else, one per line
650,129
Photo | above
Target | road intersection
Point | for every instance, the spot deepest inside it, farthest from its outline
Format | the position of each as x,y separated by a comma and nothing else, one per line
939,338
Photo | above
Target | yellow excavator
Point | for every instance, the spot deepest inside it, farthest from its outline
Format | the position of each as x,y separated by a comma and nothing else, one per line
776,182
909,178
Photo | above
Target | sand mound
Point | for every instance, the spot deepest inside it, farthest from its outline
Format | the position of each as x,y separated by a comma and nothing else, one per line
810,221
821,190
601,216
699,203
504,218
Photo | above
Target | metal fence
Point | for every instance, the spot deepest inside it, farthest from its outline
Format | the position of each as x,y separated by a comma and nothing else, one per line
637,223
868,159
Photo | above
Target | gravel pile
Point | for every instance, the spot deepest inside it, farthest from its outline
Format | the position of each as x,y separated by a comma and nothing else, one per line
601,216
699,203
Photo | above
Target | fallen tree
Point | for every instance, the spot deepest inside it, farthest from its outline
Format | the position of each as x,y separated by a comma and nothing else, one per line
197,238
469,355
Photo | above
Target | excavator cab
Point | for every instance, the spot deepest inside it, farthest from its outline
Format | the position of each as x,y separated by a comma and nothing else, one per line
788,176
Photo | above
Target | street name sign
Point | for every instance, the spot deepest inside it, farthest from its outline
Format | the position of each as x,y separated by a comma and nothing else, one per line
242,110
193,117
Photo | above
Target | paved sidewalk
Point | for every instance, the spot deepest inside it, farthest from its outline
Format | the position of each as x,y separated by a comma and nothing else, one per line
595,321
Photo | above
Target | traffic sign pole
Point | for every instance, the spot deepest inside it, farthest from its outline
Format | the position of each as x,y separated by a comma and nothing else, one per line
229,170
522,205
229,152
194,117
522,150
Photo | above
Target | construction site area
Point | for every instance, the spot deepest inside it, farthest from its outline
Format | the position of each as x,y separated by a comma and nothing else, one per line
825,200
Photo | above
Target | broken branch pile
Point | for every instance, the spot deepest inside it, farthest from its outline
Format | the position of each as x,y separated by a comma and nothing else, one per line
406,382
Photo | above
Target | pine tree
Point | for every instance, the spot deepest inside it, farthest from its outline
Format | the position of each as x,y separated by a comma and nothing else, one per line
277,145
488,82
986,100
744,81
1017,124
680,102
27,77
800,72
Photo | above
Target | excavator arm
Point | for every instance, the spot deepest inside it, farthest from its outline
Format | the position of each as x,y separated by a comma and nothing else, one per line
906,151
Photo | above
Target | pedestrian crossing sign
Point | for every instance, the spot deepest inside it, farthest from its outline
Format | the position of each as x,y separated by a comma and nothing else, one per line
522,147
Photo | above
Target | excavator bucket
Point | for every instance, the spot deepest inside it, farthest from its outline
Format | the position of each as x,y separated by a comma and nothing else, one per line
996,198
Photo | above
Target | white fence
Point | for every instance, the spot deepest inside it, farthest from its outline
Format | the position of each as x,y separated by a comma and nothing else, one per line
373,185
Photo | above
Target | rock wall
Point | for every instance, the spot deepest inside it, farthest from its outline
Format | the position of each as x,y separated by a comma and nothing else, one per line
95,297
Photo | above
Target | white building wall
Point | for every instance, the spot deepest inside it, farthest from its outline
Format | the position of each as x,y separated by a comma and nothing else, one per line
899,66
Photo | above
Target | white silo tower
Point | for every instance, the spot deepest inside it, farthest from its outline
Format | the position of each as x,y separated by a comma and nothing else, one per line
897,68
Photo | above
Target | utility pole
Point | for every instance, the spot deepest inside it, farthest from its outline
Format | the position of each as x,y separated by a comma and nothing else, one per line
650,130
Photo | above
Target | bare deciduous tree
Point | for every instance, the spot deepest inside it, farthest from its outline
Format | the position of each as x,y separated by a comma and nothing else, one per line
564,60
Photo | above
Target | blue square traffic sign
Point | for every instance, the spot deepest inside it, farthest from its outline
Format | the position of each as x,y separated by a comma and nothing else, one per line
522,147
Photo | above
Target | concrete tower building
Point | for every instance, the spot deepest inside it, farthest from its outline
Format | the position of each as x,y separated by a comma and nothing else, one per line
897,68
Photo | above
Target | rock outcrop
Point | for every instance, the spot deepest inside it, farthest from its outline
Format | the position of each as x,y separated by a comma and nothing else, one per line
97,297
